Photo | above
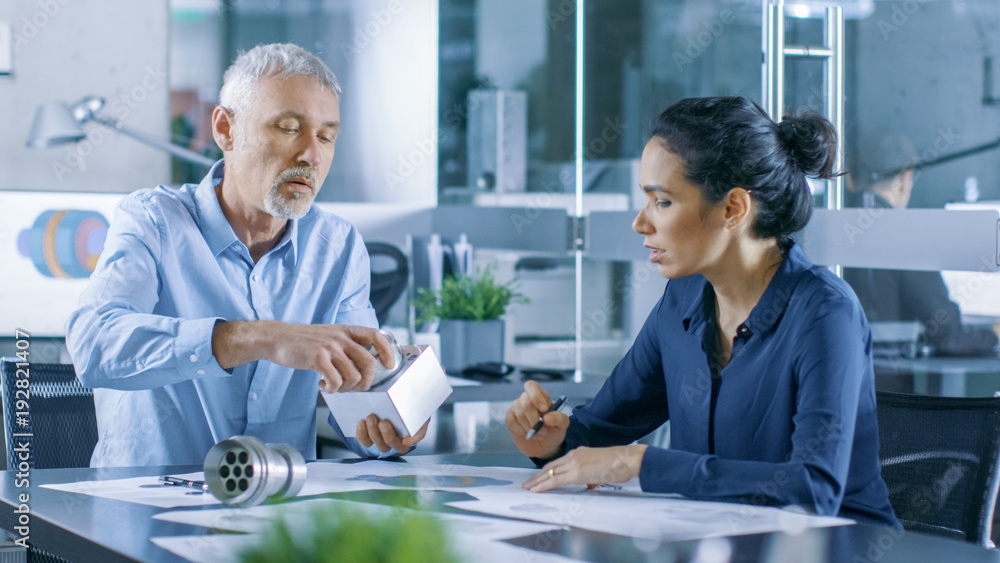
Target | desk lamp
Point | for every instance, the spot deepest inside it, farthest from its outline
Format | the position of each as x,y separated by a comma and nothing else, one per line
56,124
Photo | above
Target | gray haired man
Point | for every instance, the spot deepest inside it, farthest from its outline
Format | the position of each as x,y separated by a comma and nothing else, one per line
217,309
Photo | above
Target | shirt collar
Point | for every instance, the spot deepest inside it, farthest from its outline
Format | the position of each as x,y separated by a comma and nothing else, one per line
769,309
215,227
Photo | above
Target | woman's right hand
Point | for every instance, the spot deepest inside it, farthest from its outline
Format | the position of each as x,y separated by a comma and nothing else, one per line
524,413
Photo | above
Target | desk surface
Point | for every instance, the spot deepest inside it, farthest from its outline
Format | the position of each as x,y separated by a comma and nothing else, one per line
86,528
941,364
510,387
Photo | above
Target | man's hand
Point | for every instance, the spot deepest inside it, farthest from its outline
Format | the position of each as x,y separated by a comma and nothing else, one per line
371,430
589,466
336,352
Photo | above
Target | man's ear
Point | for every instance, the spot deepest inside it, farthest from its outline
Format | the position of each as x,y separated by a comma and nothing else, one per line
902,182
907,177
223,128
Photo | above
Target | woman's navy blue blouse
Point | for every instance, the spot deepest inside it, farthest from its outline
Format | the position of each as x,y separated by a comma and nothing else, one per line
790,420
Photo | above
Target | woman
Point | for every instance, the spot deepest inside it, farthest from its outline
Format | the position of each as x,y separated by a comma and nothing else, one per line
760,360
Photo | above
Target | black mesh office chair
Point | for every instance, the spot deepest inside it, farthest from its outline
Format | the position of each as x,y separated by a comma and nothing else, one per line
387,284
939,458
60,420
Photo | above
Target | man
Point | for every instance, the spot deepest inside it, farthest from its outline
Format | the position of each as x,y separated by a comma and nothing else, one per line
883,177
216,309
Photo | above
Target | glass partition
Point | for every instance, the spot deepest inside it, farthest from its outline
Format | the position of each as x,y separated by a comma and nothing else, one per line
518,50
382,51
920,94
921,125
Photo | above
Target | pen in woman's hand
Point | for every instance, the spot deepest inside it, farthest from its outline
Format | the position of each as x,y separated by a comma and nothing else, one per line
538,426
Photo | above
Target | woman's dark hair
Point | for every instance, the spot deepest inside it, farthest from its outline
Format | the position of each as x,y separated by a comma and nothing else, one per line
731,142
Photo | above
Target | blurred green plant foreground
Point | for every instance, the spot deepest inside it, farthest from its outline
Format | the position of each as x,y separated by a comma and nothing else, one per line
347,535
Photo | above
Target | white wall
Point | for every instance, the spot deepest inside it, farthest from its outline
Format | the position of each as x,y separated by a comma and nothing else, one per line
68,49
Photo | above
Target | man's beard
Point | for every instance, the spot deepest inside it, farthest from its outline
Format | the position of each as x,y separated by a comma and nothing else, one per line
277,205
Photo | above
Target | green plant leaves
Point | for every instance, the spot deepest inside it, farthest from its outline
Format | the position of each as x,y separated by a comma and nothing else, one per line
342,534
467,298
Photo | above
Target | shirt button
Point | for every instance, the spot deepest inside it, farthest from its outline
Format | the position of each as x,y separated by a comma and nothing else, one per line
253,397
193,358
201,372
138,365
255,277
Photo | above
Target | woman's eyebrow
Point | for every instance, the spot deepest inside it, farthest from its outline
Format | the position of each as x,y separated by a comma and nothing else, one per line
656,188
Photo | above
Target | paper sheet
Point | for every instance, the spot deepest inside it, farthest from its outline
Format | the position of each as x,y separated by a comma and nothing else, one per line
142,490
470,533
663,519
298,514
381,475
207,549
223,549
325,477
387,475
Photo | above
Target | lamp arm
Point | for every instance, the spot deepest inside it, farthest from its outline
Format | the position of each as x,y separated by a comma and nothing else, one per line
920,165
179,152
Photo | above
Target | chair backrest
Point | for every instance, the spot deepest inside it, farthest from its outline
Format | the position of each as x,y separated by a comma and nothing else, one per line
49,418
939,458
386,284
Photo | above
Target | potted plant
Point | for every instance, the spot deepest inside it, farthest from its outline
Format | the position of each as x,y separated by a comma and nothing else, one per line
469,308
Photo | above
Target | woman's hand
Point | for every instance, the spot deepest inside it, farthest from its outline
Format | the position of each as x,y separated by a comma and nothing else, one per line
524,413
589,466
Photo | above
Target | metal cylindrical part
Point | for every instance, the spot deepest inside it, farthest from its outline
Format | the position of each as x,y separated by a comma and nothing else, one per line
382,373
243,471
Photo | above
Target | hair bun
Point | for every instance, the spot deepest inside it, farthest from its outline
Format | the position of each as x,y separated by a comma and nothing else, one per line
811,142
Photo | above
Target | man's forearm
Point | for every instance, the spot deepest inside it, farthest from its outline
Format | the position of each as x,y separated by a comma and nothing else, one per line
240,342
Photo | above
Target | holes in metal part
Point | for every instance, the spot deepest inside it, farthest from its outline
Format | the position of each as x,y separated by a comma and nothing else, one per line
244,457
248,471
237,472
230,485
224,471
244,484
230,458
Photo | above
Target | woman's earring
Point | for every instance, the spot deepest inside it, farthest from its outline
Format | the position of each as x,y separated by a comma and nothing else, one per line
731,224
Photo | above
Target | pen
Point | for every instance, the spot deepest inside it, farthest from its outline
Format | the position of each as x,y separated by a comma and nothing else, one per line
178,482
538,425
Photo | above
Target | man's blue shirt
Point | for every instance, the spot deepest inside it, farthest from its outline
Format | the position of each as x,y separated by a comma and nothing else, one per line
142,337
794,414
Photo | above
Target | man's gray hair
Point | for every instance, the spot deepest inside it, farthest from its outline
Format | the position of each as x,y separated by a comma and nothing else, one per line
276,60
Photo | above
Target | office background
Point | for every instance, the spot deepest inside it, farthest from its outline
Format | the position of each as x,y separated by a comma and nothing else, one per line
921,69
